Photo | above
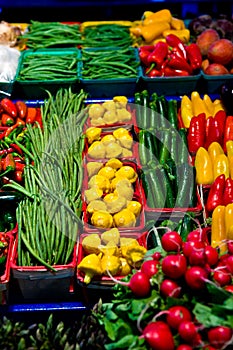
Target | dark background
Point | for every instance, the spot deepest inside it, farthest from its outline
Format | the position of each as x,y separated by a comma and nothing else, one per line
80,11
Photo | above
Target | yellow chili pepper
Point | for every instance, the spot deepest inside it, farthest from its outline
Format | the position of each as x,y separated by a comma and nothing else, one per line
230,233
229,148
218,228
136,30
204,168
177,23
183,34
163,15
230,161
186,110
218,106
146,14
221,166
154,30
198,103
214,150
209,105
229,219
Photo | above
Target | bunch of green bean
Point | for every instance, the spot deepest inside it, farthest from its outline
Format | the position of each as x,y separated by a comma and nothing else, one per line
49,216
49,66
51,34
109,63
104,35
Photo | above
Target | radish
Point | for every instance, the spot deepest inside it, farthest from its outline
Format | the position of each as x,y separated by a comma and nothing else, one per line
211,255
229,288
230,246
159,336
150,267
197,257
177,314
169,288
187,330
171,241
184,347
189,246
157,256
229,264
220,336
139,284
195,277
222,277
174,266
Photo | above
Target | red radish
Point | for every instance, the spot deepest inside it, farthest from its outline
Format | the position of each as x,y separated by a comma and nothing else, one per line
222,277
230,247
139,284
174,265
219,336
197,235
184,347
211,255
197,257
176,315
187,330
171,241
159,336
208,347
189,246
229,264
169,288
150,267
229,288
157,256
195,277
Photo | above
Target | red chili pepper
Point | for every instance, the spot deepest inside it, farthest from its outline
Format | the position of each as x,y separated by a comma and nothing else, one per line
19,166
170,72
18,176
175,42
196,133
39,118
31,115
9,163
16,148
19,122
213,133
9,107
7,120
216,193
153,72
176,62
194,56
21,108
149,48
220,116
228,191
228,131
143,55
159,54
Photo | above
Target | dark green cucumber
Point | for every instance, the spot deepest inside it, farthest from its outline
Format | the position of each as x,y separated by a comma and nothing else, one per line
186,225
162,113
138,108
182,146
172,114
165,144
153,115
186,186
142,150
170,196
151,143
145,97
156,186
147,190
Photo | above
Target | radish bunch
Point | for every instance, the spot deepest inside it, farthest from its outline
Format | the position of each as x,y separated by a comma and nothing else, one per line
179,273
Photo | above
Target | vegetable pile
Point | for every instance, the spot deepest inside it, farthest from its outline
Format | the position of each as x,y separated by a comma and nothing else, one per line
176,300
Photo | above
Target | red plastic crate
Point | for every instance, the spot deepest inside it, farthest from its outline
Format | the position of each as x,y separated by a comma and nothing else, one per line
105,280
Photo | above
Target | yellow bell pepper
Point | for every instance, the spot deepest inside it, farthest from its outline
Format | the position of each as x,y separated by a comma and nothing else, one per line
163,15
229,148
230,161
183,34
221,166
154,30
198,104
229,220
218,228
186,110
177,23
209,105
218,106
214,150
204,168
230,233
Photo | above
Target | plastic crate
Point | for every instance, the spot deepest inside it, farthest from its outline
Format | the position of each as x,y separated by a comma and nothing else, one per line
214,83
171,85
111,87
5,269
37,282
36,89
105,281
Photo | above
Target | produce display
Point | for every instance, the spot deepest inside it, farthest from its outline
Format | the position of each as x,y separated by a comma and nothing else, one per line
118,186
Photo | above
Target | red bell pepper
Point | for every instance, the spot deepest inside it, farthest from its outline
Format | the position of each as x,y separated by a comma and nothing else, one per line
21,108
159,54
31,115
196,133
143,55
176,62
9,107
220,116
194,56
170,72
228,131
9,163
216,193
153,72
213,133
228,192
175,42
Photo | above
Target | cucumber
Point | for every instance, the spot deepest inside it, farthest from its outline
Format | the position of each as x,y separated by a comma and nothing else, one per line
172,114
186,186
